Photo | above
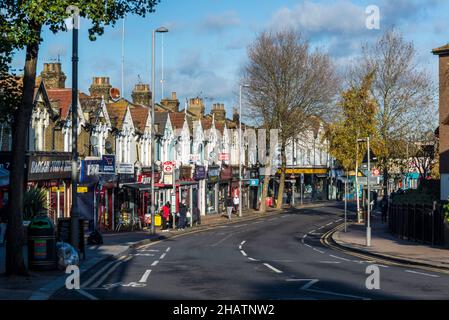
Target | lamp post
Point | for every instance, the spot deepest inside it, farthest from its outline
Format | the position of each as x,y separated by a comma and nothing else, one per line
74,214
240,148
368,218
153,133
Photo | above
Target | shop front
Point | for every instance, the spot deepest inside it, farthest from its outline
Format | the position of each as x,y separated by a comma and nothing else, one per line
200,175
213,174
224,189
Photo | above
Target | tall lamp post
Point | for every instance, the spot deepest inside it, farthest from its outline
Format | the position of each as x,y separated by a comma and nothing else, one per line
74,214
240,148
153,133
368,218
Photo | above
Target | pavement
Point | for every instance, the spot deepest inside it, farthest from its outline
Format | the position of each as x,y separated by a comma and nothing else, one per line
388,246
278,256
40,285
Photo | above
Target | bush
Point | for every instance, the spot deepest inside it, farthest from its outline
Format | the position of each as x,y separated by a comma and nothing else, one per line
34,203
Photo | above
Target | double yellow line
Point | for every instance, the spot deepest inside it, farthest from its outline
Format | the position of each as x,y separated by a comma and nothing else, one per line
327,241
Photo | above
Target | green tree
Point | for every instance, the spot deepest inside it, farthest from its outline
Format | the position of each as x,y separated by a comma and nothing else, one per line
24,22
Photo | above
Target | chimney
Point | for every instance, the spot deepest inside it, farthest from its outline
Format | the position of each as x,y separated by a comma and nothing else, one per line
142,94
53,76
100,87
218,110
235,116
171,104
196,106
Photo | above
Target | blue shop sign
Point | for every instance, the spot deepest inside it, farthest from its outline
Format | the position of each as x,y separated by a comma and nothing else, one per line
108,164
254,182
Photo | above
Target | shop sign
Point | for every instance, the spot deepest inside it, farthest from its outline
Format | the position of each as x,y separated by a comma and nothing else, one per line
125,168
56,189
200,173
168,167
108,164
146,178
185,173
82,190
168,179
226,173
213,173
254,182
290,171
49,166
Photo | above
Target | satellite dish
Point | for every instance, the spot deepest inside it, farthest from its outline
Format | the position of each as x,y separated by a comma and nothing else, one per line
108,147
115,94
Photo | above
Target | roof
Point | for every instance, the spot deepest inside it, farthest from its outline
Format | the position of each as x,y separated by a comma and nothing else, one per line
160,120
441,50
117,112
177,120
139,114
62,98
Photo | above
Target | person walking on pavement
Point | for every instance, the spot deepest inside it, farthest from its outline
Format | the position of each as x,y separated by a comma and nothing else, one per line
229,207
384,205
165,216
289,197
182,215
236,202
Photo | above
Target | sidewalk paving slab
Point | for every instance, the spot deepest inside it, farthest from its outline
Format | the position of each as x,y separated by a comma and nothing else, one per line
389,246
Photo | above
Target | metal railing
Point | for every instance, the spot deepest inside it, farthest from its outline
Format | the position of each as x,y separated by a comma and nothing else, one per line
417,222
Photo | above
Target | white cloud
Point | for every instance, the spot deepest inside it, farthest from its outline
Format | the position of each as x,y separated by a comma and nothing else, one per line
219,23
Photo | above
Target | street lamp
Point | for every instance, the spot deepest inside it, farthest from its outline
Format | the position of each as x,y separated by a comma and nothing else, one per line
368,224
74,214
240,148
153,133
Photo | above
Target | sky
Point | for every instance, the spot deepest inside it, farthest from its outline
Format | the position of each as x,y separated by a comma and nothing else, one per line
206,46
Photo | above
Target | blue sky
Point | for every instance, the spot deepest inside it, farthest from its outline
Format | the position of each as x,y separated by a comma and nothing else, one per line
207,42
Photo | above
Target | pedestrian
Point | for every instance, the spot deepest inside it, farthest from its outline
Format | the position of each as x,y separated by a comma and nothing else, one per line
289,197
166,216
229,207
182,215
196,216
236,202
384,205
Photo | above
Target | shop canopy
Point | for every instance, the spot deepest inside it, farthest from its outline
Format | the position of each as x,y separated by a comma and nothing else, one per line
139,186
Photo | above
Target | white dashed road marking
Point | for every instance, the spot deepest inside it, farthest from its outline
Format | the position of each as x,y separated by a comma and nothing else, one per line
162,256
423,274
155,263
314,249
272,268
243,252
145,276
337,257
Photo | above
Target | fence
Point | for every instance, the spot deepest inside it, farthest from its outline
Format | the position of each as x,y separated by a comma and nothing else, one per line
417,222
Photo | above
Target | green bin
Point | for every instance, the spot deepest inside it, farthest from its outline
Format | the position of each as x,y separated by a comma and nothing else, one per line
41,244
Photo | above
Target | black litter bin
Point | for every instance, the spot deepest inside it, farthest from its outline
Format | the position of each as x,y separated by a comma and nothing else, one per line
41,244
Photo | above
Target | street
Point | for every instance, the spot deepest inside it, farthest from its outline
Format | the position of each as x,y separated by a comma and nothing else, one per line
276,257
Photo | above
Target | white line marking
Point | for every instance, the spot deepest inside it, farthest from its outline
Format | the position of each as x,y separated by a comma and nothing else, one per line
142,254
308,245
145,276
309,284
150,250
334,262
155,263
304,236
240,247
382,266
302,240
243,252
315,249
252,259
168,249
423,274
336,294
272,268
320,227
162,256
243,242
87,294
329,224
336,257
111,270
312,231
91,279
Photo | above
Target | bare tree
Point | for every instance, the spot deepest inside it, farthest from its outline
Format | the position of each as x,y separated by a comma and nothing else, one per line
289,87
403,92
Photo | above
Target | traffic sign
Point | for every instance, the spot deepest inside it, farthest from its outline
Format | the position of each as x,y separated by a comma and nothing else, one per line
168,167
376,172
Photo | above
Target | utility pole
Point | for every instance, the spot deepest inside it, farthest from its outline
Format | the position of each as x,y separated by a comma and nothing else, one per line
368,226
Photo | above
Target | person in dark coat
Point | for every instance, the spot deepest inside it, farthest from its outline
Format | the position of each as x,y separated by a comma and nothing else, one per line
384,205
196,216
182,215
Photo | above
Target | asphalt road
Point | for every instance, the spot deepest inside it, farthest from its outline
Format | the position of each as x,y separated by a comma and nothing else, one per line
277,257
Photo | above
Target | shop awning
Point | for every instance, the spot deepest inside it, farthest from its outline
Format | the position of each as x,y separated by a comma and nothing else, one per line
139,186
